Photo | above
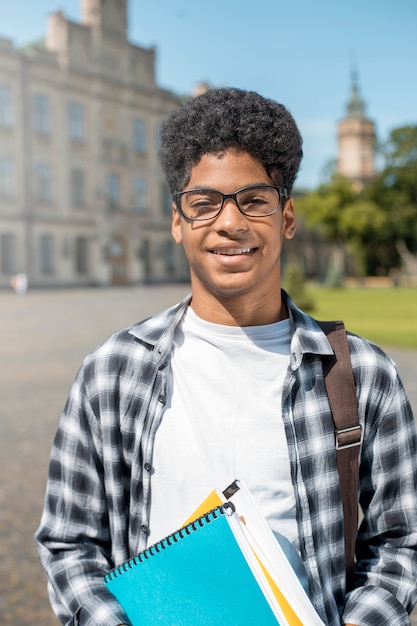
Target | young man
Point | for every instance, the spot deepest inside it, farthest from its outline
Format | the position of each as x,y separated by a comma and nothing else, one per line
229,384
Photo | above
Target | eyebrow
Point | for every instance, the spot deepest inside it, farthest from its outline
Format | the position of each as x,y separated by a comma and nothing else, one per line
208,188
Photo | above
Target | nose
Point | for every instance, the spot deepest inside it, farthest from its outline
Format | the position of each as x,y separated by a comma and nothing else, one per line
231,219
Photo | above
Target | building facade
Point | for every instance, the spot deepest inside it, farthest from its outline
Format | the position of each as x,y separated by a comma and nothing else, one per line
356,141
82,196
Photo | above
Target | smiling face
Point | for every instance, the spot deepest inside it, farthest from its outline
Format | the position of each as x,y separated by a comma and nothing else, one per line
234,259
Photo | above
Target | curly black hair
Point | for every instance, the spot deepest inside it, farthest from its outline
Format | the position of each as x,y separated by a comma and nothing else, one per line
230,118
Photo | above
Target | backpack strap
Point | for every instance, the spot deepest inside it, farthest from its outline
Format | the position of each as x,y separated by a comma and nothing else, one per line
340,386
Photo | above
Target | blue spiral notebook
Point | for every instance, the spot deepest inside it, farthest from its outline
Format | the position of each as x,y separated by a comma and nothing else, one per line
203,574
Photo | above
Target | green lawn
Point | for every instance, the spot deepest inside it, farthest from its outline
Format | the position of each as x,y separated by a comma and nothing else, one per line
385,316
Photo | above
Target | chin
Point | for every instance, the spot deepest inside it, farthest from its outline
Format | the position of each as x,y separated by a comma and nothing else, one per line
231,289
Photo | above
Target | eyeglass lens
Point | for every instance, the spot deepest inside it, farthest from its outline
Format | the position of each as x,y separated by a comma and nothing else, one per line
252,201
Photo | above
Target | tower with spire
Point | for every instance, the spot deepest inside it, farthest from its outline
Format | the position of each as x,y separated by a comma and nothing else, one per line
356,140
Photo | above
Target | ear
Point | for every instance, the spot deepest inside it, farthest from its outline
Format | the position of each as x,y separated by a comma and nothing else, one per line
289,224
176,225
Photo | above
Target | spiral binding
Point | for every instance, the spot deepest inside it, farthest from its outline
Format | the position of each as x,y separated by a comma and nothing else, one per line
224,509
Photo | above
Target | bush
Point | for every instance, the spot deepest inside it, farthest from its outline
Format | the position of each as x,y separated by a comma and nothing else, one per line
294,282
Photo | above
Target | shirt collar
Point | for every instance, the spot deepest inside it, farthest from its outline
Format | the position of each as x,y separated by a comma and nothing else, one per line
159,329
307,336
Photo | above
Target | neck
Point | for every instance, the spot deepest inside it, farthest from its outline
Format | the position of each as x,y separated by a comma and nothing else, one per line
239,310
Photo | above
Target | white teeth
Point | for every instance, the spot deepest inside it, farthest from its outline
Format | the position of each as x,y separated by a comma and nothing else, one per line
232,252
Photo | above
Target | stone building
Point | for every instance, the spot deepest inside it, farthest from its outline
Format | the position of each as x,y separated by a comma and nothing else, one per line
356,141
82,196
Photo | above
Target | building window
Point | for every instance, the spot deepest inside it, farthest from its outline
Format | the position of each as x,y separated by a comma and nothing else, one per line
113,191
158,137
6,178
43,183
141,195
166,200
81,260
139,136
76,122
6,111
170,257
8,254
41,114
78,188
46,254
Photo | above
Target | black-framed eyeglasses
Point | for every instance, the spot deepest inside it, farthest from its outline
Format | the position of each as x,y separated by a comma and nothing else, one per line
206,204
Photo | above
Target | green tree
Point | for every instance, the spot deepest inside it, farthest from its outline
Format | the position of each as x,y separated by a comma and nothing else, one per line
335,211
322,208
378,223
400,150
395,193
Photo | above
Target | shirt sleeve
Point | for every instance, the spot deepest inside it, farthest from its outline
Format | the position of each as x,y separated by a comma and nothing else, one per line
386,572
74,537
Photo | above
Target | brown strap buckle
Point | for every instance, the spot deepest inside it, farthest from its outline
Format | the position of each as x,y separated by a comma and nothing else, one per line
348,437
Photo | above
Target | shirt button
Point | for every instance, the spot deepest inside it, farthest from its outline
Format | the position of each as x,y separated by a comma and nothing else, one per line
148,467
144,528
161,398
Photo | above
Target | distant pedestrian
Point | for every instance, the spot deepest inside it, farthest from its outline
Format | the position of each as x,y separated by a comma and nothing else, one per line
19,283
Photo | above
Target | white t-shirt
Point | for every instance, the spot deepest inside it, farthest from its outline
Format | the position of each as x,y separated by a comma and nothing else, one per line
222,421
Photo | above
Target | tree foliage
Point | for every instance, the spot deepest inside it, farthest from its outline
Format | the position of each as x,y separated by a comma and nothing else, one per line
395,193
400,150
379,222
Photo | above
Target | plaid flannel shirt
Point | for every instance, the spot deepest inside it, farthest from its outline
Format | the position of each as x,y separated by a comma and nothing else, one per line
97,502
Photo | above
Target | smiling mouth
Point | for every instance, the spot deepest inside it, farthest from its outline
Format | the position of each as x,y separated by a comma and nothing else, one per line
233,252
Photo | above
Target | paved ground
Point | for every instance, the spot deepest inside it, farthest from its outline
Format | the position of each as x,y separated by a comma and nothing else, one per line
44,336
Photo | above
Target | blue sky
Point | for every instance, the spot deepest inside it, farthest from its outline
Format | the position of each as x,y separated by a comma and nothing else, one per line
299,52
